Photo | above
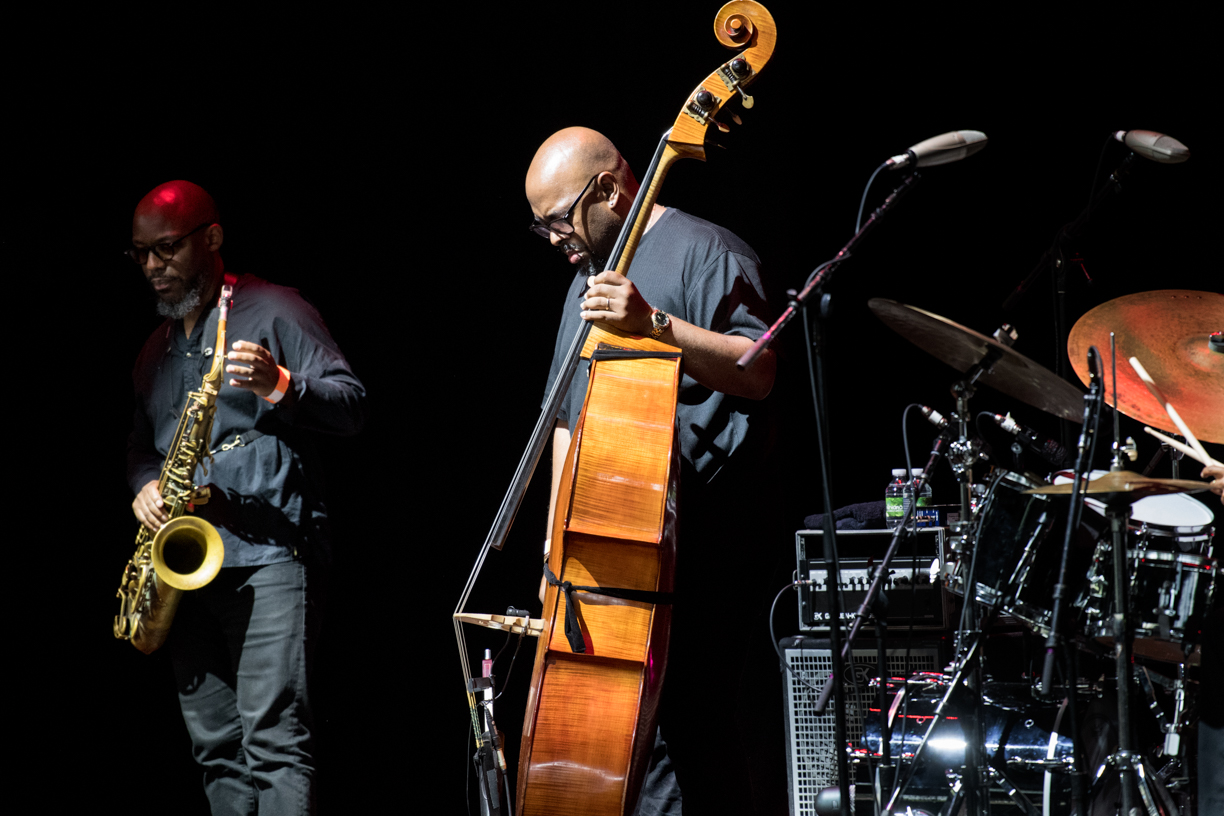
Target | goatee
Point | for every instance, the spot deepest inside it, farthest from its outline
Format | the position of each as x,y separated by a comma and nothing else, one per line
592,265
188,302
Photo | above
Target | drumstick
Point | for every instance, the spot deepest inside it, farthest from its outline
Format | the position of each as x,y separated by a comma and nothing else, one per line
1186,449
1169,409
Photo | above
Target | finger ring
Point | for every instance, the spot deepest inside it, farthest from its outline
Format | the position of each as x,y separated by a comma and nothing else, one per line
607,304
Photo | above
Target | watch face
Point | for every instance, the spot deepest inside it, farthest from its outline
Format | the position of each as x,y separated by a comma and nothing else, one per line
660,321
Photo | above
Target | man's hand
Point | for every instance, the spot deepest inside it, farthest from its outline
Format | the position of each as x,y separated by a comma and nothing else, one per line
613,299
258,367
1216,474
148,507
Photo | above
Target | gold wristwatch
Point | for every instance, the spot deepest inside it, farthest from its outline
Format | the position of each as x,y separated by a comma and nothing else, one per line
659,321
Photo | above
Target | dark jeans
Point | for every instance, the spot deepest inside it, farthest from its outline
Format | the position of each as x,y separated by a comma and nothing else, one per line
240,650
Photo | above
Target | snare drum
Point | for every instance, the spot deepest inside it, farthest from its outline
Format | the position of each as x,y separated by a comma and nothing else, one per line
1170,595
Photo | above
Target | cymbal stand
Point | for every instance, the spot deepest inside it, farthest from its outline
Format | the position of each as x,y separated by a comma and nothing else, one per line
1135,773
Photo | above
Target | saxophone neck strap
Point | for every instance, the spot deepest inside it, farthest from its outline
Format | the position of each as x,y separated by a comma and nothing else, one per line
239,441
573,632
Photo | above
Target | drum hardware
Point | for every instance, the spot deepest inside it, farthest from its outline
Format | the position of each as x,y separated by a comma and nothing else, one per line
1171,730
1152,792
1147,584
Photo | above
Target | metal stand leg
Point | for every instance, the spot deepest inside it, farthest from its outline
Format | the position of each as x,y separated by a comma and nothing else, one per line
1135,774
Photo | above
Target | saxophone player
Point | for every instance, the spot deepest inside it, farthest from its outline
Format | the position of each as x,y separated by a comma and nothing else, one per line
242,646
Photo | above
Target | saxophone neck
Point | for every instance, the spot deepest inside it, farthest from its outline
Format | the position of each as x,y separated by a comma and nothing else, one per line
218,364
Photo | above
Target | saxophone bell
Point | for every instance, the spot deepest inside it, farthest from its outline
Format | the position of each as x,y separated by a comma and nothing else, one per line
187,553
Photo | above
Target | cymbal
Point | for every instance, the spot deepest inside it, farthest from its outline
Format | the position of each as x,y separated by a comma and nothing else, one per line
962,348
1167,330
1124,481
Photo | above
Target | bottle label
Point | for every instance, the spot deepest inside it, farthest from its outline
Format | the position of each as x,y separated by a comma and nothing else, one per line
894,507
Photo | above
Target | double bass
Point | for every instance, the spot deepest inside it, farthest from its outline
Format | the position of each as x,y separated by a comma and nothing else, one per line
603,641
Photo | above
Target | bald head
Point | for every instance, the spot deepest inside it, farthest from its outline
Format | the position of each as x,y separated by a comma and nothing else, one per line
175,207
179,205
569,158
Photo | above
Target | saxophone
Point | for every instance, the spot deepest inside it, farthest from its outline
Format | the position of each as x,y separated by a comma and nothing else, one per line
186,553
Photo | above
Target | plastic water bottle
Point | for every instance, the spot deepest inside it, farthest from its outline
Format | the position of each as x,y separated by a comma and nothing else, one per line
925,514
895,498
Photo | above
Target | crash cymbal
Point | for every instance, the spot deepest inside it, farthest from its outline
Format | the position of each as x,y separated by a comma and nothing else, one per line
962,348
1167,330
1124,481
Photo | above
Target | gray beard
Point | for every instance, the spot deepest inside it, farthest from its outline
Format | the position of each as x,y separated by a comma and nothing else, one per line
189,301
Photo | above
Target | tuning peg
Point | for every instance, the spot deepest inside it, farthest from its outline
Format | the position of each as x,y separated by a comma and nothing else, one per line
736,119
732,73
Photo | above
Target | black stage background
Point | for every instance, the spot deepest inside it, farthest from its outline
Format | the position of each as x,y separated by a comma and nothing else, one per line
377,165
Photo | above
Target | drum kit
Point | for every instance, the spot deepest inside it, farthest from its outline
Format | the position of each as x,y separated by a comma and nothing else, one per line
1115,570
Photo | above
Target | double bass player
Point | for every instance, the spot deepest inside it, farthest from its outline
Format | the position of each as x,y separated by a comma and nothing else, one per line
695,286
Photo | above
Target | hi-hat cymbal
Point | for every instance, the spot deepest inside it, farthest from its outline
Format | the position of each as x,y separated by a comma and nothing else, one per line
1124,481
1167,330
962,348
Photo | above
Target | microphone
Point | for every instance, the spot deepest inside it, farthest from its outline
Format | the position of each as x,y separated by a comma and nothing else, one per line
1155,146
1046,448
934,417
947,147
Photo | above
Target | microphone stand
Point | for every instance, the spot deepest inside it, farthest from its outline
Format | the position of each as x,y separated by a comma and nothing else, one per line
1055,257
814,333
1087,448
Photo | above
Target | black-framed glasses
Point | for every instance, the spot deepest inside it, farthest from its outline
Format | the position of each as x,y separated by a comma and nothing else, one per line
164,250
561,224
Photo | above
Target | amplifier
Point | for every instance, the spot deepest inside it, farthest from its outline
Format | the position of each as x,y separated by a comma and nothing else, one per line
912,596
811,759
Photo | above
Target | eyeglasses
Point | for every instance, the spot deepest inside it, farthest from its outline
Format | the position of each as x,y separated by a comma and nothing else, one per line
164,250
561,224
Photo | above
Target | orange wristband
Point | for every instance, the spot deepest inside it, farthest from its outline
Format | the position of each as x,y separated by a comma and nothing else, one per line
282,385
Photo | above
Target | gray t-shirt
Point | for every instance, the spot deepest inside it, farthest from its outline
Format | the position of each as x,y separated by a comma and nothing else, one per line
704,275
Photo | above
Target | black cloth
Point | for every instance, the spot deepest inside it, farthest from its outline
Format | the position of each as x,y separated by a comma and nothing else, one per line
704,275
267,497
861,516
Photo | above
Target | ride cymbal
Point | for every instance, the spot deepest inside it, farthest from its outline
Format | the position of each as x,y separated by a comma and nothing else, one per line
1168,331
962,348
